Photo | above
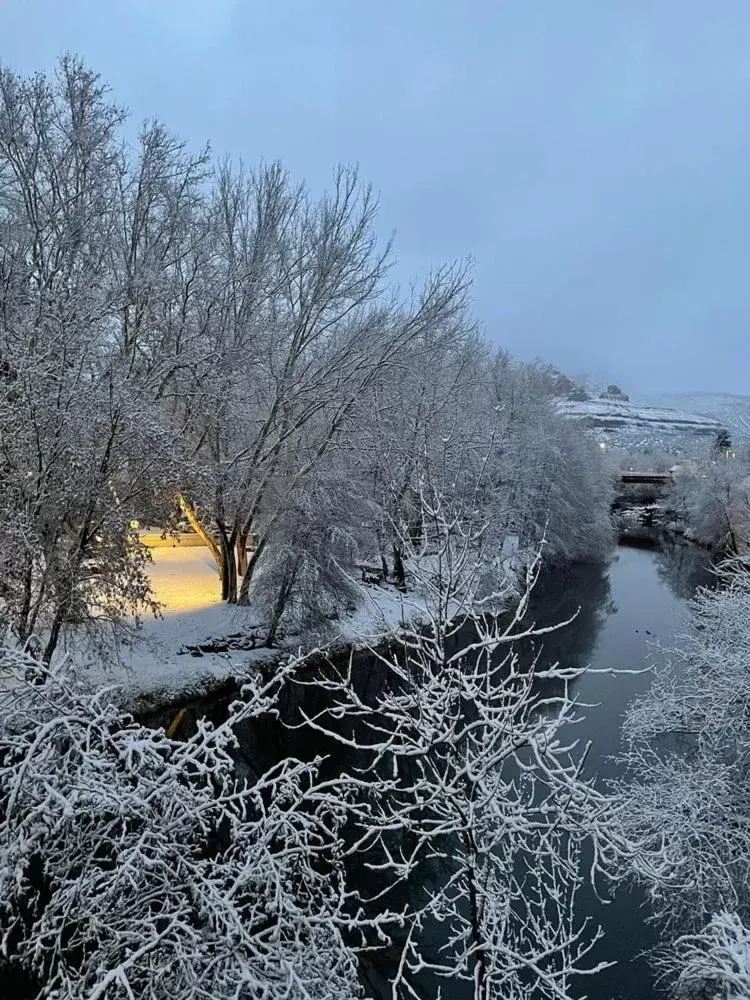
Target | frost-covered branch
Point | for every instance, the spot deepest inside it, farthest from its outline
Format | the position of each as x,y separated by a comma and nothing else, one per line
714,962
687,796
132,865
474,784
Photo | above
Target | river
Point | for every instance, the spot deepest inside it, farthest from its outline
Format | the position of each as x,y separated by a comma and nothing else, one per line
626,611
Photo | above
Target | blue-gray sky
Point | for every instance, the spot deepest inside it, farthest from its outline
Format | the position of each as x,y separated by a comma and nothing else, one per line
592,156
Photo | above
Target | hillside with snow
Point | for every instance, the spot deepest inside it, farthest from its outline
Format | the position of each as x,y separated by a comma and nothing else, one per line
639,428
732,411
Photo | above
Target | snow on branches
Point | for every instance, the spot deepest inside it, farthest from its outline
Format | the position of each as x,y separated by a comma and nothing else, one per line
687,796
716,961
474,804
176,331
713,501
135,866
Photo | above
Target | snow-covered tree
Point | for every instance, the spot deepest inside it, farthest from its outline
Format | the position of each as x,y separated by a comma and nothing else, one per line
430,411
713,500
81,440
175,331
687,795
471,782
305,577
714,963
551,480
133,865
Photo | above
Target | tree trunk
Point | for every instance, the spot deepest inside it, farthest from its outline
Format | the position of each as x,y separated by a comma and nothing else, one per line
23,619
54,635
228,565
384,567
278,611
734,549
416,531
241,553
248,574
200,531
280,603
382,546
398,568
479,957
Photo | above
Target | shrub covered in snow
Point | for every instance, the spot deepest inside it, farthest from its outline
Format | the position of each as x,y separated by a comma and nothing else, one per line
132,865
687,798
713,500
715,963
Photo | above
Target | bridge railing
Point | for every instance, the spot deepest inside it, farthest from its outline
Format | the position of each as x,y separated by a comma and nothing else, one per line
647,478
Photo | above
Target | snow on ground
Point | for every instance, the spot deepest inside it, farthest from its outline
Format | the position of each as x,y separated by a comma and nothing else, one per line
186,583
381,611
155,663
732,411
161,661
196,642
617,411
184,579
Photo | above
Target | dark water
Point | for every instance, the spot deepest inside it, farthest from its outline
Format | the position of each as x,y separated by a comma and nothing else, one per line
628,611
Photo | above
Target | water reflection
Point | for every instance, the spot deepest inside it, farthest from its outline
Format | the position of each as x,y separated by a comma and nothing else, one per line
626,614
582,593
682,567
646,611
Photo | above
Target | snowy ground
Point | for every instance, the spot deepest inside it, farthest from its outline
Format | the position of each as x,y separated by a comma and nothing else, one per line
185,582
732,411
162,659
197,641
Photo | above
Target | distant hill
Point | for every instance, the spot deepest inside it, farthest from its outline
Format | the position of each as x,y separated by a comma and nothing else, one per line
640,428
730,410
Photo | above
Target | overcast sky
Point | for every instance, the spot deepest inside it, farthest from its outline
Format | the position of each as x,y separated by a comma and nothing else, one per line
590,155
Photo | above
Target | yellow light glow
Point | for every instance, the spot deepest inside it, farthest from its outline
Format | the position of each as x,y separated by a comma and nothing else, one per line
184,579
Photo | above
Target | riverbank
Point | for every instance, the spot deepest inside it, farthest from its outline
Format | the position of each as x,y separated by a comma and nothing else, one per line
622,616
653,517
651,523
200,647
